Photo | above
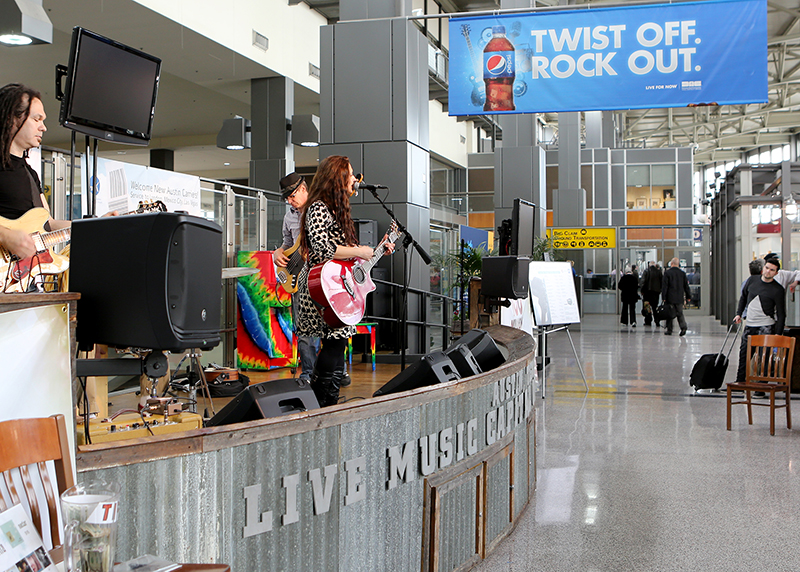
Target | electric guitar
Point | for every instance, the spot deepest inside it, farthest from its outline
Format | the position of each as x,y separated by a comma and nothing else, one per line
16,274
340,287
287,277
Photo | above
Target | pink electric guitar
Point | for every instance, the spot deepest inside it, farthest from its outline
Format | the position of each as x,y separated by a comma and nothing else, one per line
340,287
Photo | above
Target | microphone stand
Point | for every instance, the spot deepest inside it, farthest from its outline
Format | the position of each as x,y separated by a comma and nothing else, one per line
407,241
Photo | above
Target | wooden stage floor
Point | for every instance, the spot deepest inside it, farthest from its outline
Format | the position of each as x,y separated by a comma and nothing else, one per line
365,383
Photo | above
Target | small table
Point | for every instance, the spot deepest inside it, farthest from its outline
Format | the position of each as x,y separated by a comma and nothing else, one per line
363,328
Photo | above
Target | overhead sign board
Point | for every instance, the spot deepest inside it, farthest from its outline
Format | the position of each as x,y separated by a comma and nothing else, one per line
589,237
626,57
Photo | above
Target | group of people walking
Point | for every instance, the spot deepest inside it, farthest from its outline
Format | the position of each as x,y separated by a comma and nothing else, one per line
671,286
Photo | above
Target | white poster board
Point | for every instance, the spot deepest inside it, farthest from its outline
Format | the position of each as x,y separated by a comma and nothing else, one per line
121,186
552,293
518,315
35,351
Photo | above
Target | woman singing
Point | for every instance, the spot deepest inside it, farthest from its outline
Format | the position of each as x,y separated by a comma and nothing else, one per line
327,232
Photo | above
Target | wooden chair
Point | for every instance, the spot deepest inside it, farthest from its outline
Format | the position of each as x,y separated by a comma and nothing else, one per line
26,445
769,369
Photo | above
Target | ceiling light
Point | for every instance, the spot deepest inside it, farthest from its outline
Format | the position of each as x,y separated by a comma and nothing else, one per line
235,134
227,164
24,22
790,206
305,130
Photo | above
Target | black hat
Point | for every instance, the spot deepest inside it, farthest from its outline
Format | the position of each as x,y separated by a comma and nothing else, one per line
289,184
770,255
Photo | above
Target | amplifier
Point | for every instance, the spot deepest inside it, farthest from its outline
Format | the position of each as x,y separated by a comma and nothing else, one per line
131,426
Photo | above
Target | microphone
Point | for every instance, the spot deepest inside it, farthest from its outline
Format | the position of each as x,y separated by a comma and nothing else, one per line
360,185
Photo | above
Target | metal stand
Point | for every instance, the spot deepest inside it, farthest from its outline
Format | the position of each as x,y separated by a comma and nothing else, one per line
191,388
545,333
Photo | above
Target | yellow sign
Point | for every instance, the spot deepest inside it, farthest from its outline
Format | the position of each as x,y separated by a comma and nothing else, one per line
590,237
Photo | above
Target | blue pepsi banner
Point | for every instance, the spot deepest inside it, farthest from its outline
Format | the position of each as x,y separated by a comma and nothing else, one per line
644,56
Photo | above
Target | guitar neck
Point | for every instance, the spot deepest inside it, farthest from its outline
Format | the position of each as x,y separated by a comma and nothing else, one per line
56,237
380,250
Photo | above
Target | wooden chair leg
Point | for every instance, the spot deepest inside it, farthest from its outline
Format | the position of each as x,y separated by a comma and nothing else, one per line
729,408
749,406
772,413
788,394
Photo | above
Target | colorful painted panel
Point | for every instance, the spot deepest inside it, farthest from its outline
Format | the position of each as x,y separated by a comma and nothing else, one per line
265,324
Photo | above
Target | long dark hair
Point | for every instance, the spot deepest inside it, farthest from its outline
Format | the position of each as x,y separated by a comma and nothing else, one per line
15,106
331,185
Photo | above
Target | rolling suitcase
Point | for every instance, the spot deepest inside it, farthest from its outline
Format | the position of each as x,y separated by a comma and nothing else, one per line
709,371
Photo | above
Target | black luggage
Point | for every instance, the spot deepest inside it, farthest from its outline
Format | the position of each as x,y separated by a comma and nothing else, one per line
709,371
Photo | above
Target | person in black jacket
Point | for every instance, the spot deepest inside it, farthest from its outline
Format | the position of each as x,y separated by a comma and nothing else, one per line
651,290
674,291
764,300
629,287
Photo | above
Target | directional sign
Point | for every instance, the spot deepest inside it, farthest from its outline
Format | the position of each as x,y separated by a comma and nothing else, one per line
590,237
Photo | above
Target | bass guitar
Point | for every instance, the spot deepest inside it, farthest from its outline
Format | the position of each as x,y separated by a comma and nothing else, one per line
287,277
16,273
340,287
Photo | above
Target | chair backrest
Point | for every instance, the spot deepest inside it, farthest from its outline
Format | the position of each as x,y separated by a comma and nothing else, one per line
769,359
25,447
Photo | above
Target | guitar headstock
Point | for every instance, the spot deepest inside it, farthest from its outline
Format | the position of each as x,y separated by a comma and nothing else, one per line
465,30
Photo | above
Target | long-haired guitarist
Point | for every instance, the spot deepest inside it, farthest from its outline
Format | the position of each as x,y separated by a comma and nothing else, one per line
328,232
22,115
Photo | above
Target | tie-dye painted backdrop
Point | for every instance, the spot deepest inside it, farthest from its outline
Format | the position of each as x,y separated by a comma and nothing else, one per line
265,324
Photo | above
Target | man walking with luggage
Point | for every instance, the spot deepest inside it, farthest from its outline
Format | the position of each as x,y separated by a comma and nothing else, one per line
651,290
674,291
765,302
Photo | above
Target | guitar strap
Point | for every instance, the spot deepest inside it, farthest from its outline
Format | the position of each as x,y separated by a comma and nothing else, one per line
36,190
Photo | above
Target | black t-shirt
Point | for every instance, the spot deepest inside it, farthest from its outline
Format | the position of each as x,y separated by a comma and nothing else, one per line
19,189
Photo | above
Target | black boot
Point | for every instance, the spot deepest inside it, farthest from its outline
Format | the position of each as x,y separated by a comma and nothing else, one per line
326,388
345,380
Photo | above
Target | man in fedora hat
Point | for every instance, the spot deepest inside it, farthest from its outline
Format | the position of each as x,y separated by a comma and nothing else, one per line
294,191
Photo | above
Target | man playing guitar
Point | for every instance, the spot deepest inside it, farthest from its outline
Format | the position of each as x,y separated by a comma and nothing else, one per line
22,115
294,191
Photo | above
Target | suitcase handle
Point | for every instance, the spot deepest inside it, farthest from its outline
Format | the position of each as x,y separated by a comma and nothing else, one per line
725,343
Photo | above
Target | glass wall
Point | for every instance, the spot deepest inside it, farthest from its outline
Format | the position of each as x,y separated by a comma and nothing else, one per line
650,187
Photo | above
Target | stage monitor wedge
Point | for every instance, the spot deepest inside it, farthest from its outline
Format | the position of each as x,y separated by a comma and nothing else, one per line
484,349
431,369
267,399
149,281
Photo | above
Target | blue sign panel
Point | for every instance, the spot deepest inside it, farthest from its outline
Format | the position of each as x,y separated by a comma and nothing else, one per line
645,56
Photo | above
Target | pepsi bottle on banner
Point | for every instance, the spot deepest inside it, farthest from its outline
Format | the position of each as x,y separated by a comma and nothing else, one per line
498,72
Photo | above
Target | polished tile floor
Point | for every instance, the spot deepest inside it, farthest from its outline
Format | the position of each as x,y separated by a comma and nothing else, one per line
640,474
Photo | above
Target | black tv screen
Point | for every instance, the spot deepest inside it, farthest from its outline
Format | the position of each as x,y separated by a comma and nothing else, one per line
111,89
522,228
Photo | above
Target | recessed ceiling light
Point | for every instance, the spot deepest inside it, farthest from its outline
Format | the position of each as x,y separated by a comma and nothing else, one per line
227,164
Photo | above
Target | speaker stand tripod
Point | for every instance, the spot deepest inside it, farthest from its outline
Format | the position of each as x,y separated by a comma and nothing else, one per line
201,381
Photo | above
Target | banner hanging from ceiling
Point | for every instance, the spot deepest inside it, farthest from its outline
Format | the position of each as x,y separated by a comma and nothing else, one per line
633,57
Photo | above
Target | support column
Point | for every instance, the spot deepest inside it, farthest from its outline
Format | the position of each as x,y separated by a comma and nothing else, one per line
271,151
374,110
569,200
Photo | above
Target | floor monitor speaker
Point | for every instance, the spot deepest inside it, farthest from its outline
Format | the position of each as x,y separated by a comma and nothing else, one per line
509,277
431,369
267,399
483,348
462,358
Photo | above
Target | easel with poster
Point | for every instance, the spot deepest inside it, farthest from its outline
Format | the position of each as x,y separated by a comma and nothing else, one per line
555,305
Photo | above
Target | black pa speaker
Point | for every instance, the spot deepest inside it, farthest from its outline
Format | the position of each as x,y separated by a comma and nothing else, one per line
483,348
267,399
149,281
504,276
431,369
462,358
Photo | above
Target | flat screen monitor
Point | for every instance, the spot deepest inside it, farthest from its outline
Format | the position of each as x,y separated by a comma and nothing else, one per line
522,228
111,89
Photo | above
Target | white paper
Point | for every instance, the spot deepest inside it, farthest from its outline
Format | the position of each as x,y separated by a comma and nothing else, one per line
21,547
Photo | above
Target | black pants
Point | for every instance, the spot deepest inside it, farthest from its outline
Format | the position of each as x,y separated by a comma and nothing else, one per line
331,356
749,331
628,309
678,310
